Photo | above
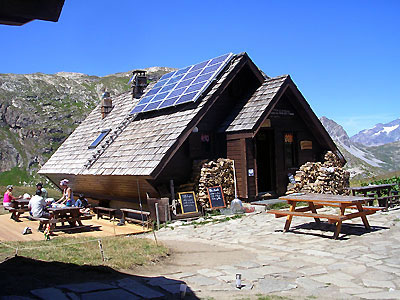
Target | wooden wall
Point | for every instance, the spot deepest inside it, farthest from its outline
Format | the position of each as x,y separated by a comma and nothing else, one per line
251,164
115,189
297,125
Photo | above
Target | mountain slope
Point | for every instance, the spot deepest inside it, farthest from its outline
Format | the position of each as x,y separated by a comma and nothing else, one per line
360,160
38,111
380,134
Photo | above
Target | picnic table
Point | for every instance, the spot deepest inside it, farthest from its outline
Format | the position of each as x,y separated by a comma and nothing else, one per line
17,208
376,189
316,201
70,215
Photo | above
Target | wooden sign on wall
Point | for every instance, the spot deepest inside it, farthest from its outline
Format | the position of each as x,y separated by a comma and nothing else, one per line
306,145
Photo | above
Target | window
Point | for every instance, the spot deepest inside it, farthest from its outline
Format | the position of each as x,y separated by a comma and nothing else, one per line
99,138
290,151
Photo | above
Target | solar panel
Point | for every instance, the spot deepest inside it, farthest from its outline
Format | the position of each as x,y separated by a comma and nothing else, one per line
182,86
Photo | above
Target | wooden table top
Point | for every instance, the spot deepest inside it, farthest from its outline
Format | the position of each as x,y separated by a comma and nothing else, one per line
371,187
67,208
22,201
325,198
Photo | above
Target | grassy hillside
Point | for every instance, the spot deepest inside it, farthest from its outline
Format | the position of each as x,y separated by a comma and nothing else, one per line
39,111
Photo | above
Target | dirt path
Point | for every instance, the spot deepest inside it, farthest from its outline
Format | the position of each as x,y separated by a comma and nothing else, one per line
188,256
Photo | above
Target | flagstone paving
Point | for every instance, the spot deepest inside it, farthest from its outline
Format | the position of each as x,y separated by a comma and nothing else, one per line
305,262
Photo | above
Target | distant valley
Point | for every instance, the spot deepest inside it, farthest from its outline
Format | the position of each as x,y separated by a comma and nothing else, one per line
367,153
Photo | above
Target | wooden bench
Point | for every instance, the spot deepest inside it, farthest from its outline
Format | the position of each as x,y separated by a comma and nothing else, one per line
284,213
374,208
389,201
144,214
101,211
14,212
52,222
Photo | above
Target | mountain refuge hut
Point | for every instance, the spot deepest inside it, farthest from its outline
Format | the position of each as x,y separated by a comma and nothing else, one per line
135,144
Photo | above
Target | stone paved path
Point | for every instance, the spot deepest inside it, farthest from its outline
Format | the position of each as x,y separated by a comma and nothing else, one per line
303,263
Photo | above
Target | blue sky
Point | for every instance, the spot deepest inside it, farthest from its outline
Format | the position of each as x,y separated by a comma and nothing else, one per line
343,55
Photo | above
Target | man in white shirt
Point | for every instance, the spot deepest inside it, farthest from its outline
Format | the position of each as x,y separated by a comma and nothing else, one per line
37,207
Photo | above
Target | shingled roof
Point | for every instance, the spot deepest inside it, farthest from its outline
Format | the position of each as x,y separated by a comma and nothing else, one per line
142,145
245,117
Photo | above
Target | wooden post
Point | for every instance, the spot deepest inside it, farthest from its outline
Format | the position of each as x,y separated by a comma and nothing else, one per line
157,216
140,203
166,215
234,177
101,250
154,232
172,189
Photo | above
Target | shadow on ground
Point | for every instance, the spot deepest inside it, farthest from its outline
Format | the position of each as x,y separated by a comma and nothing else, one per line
28,277
346,230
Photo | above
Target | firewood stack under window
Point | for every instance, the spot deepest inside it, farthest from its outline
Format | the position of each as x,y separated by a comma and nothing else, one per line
328,177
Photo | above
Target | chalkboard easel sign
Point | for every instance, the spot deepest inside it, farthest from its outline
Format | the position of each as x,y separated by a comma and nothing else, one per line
188,202
216,197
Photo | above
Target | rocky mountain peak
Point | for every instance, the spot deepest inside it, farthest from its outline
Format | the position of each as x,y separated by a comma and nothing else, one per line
336,131
380,134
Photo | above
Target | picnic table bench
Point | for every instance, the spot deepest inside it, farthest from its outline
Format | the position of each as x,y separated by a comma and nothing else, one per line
70,215
143,216
377,190
317,201
101,211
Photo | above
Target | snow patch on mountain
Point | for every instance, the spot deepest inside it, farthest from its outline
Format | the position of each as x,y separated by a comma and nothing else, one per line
380,134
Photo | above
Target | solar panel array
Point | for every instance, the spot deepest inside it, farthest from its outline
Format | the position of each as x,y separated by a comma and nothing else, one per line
182,86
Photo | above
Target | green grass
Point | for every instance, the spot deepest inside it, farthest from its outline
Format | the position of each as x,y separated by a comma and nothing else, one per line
209,220
31,190
359,182
283,205
121,252
14,176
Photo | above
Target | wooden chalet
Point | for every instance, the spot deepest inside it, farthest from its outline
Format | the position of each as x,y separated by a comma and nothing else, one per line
264,124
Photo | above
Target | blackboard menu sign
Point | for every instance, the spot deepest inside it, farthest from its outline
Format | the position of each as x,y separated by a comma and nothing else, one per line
216,197
188,202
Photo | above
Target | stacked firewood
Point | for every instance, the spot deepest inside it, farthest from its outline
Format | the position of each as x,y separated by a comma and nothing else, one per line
214,173
328,177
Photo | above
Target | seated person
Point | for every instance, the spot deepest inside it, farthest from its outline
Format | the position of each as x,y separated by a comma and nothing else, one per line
8,202
37,206
39,187
83,204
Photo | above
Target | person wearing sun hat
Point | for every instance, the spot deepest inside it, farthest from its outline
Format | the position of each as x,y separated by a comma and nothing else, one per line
67,197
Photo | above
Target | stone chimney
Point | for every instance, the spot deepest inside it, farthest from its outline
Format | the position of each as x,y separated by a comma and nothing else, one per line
106,104
138,83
